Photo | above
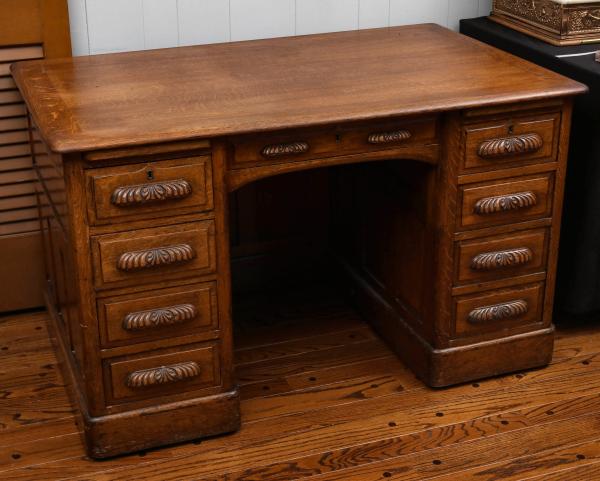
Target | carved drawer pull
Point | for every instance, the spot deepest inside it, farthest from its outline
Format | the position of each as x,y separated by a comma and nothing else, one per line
156,257
517,144
503,203
498,312
151,192
165,316
495,260
389,137
293,148
163,375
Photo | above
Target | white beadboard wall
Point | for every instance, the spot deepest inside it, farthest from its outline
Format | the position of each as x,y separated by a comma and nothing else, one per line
102,26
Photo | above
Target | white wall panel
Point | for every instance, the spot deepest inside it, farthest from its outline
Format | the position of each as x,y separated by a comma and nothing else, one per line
79,28
403,12
115,25
374,13
485,7
99,26
160,23
252,19
459,9
316,16
203,21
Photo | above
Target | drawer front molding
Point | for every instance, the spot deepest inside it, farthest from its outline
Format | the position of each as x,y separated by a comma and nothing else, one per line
389,137
504,203
133,195
516,144
496,260
156,257
166,316
163,375
291,148
498,312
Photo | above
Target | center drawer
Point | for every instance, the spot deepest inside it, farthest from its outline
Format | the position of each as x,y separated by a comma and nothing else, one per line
304,144
153,255
500,257
157,314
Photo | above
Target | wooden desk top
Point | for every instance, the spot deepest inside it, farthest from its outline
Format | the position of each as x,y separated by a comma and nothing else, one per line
128,99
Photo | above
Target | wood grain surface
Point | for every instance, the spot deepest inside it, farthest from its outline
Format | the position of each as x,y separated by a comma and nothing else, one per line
118,100
362,417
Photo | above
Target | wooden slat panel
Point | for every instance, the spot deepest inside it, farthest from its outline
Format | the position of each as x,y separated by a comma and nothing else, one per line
14,176
10,96
7,83
21,228
12,54
29,29
18,150
14,137
17,215
12,110
14,123
17,188
15,163
18,207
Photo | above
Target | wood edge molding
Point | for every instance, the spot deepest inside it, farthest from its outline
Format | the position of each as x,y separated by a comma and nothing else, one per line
498,312
163,375
505,203
155,257
132,195
164,316
498,259
148,150
506,146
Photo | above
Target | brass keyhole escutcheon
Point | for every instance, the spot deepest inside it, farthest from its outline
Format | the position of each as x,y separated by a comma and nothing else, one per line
150,174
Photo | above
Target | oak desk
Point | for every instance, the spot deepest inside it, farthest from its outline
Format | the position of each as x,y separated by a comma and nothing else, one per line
455,269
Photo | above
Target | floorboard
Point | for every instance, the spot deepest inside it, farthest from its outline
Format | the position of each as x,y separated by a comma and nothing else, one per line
324,399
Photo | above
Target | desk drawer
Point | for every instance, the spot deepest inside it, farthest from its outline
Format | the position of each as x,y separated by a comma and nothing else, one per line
157,314
150,189
504,202
497,310
495,145
152,255
302,144
499,257
163,372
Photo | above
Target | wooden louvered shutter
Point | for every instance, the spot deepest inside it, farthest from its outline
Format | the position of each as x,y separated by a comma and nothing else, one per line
28,29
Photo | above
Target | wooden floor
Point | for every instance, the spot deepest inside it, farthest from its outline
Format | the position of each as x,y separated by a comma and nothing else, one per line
325,399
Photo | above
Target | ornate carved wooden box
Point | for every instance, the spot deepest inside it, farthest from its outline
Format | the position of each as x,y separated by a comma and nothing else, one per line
559,22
